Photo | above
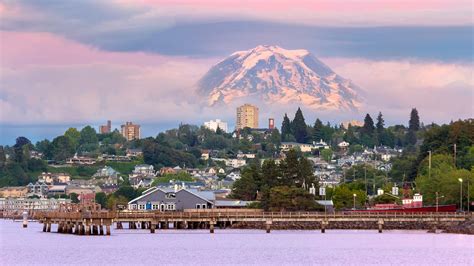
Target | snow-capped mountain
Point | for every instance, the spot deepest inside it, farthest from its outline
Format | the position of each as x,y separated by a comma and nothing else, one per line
278,76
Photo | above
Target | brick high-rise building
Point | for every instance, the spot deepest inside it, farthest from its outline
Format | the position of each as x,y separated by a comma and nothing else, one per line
130,131
247,116
271,123
104,129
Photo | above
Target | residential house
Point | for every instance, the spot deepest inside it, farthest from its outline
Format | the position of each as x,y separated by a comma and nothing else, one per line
144,169
54,178
134,152
81,160
304,147
167,170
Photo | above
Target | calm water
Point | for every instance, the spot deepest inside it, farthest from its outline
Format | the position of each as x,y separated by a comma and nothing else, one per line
336,247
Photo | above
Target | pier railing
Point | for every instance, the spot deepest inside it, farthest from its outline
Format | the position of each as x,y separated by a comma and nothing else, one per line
241,215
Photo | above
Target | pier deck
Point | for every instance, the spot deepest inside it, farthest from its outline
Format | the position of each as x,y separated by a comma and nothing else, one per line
92,222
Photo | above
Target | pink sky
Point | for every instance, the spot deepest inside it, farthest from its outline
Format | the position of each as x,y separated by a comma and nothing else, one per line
93,84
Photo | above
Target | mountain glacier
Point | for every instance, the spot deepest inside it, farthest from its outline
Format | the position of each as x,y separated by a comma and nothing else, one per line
278,76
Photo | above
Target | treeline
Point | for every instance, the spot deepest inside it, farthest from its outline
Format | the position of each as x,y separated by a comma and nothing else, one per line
183,146
369,135
282,186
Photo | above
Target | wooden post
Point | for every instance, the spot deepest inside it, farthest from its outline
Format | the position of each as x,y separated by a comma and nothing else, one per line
152,228
101,229
324,224
44,226
59,227
107,229
211,227
48,226
25,219
268,225
88,229
380,225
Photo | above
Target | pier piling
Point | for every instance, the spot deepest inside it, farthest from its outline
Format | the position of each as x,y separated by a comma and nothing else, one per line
268,225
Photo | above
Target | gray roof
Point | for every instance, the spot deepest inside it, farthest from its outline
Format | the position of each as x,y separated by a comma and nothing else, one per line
325,202
231,203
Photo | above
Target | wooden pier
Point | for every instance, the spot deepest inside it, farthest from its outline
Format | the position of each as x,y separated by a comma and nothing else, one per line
94,222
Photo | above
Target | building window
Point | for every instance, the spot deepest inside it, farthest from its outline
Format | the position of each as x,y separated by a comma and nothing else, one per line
204,206
198,206
170,195
170,207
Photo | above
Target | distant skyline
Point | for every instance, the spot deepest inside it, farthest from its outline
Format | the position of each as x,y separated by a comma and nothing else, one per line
83,62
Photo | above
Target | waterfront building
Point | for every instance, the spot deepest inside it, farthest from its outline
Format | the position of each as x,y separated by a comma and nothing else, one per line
104,129
173,200
214,124
40,189
81,189
130,131
13,192
247,116
21,204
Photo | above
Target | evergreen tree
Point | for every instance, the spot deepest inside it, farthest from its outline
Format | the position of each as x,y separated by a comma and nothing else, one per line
380,130
21,150
414,123
380,124
349,136
299,127
413,127
3,158
317,130
285,128
368,127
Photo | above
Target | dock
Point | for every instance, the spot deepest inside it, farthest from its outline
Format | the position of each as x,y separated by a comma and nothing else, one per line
100,222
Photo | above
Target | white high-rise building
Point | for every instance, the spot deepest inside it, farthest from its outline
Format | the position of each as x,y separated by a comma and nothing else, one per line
213,124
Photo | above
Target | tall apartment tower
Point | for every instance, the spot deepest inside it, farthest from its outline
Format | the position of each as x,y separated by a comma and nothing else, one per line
247,116
130,131
104,129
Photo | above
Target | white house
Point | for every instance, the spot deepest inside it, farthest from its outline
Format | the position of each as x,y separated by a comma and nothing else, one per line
304,147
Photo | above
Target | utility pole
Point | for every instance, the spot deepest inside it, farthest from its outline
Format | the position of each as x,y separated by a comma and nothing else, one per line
429,164
454,155
365,178
460,193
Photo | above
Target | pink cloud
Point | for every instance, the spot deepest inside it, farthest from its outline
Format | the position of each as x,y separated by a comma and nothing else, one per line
320,5
42,48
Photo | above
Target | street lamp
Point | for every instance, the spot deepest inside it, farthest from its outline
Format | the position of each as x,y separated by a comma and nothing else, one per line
460,193
437,200
355,195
